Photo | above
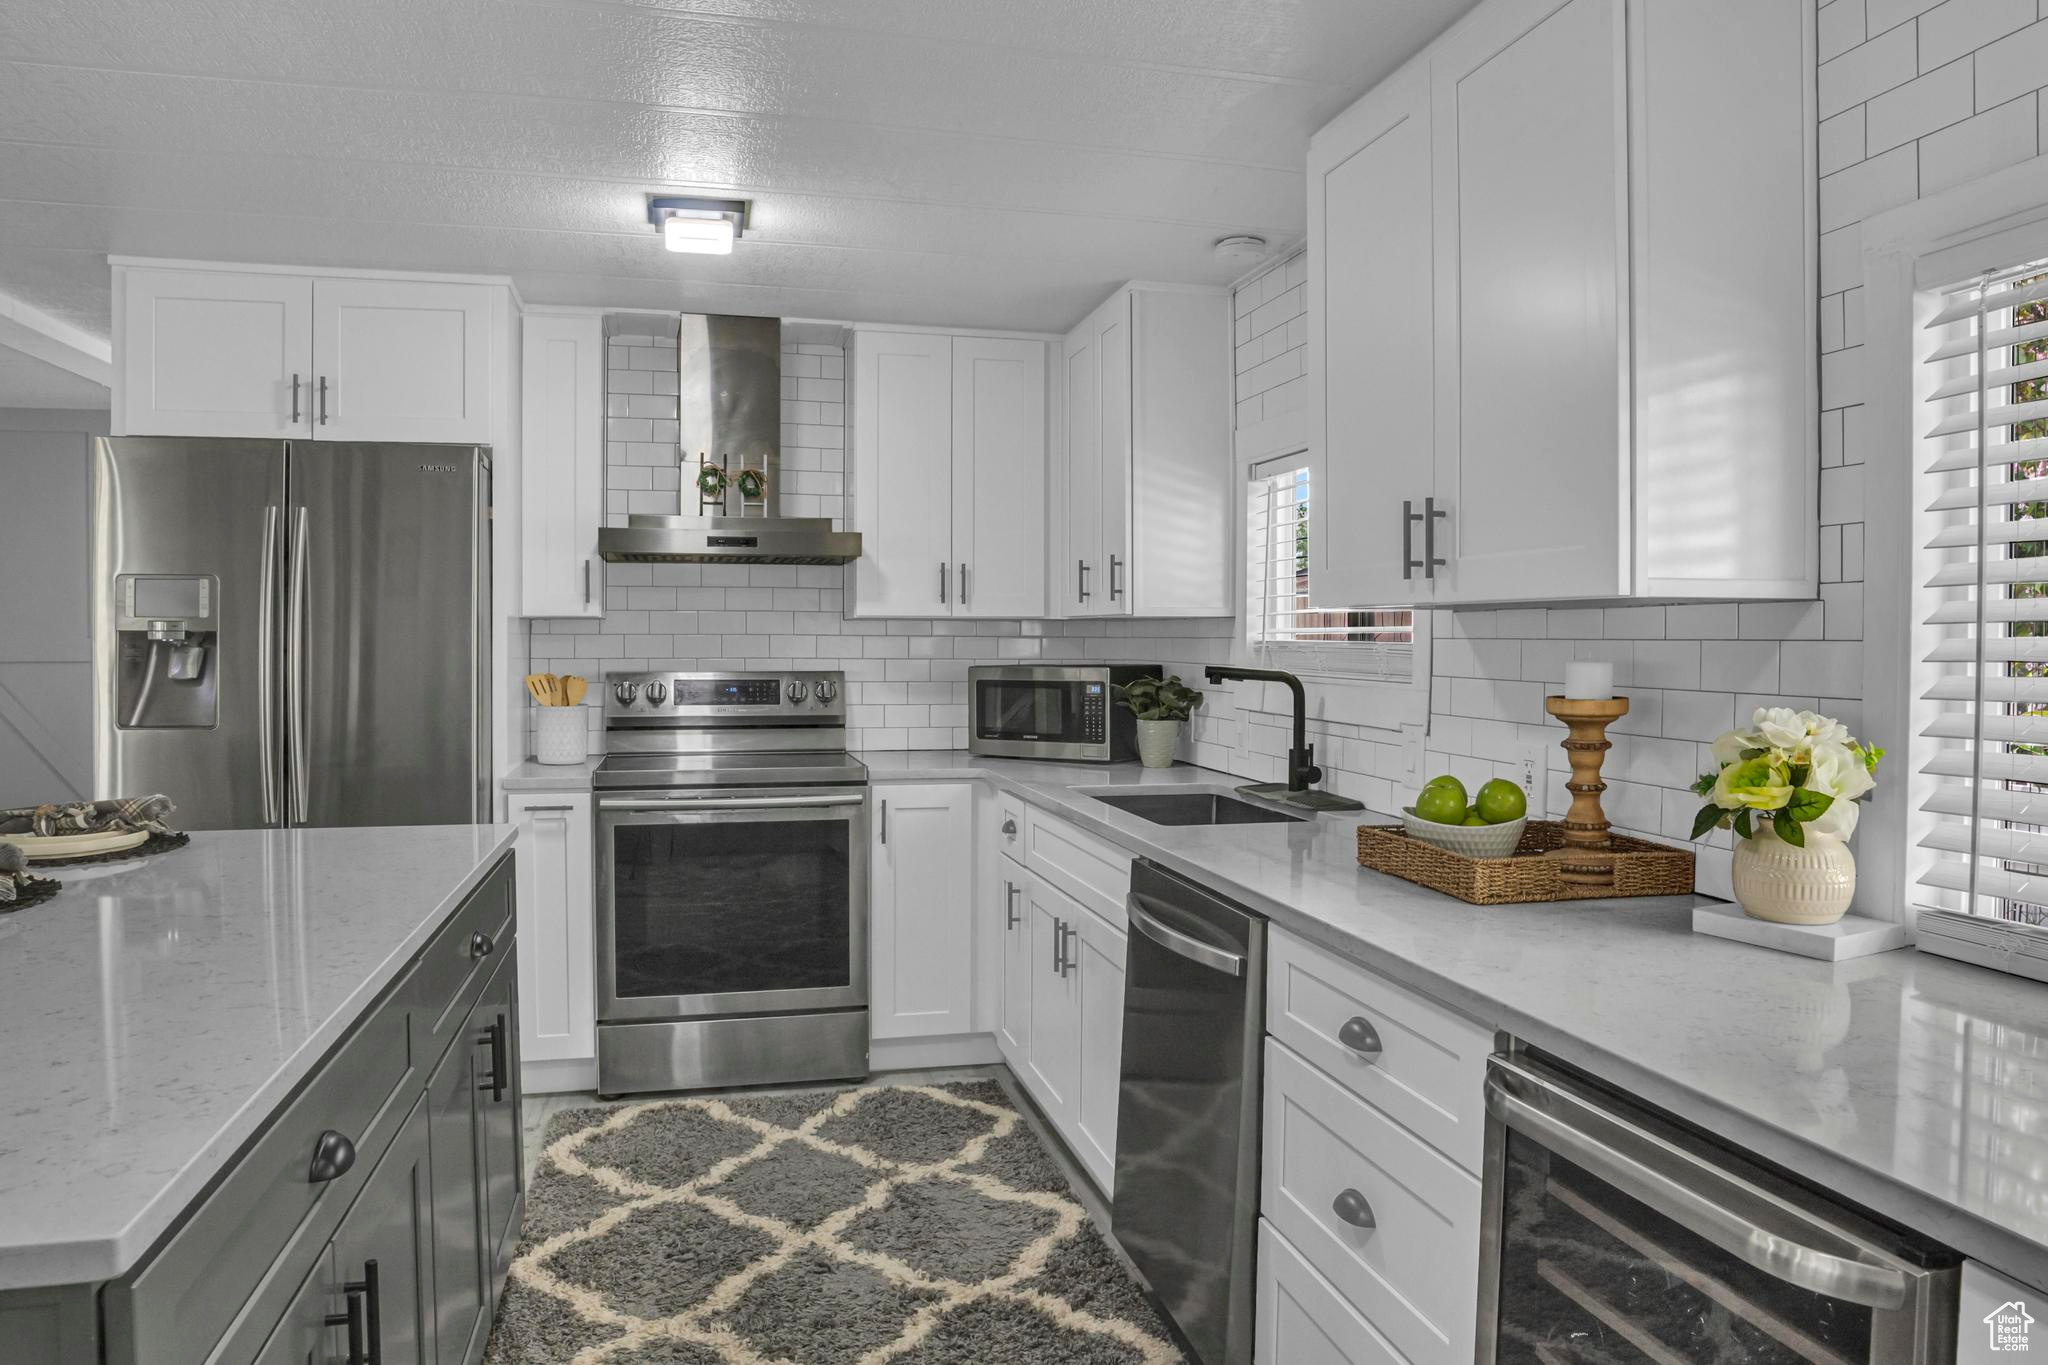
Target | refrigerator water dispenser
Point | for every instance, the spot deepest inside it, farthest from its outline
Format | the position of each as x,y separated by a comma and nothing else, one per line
167,631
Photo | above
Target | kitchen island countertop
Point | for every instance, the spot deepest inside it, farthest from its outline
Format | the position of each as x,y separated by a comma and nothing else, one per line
156,1014
1911,1084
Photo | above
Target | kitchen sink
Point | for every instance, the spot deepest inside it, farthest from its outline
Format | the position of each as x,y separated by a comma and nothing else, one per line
1194,808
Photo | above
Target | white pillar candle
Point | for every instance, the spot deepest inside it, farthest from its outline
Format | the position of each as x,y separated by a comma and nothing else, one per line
1588,680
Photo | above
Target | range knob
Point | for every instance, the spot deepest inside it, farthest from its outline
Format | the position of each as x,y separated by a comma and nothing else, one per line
797,690
625,692
827,689
657,694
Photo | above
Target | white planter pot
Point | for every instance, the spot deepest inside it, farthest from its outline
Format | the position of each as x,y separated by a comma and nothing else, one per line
1157,739
1784,884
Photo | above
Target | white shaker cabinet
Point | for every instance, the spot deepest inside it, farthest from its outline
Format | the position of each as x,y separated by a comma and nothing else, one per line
1052,1054
221,351
211,353
557,963
1098,952
921,910
948,475
1146,482
561,507
1617,363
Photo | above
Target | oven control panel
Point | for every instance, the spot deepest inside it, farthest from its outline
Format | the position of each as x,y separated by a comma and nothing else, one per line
695,698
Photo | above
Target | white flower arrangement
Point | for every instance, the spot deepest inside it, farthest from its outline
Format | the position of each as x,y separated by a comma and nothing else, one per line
1804,772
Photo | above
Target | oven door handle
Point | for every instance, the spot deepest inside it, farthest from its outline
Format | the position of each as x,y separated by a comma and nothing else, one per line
1699,1195
662,803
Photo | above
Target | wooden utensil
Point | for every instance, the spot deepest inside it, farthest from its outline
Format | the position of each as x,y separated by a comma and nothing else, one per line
537,687
574,687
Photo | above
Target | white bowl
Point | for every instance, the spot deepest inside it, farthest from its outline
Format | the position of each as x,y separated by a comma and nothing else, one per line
1473,841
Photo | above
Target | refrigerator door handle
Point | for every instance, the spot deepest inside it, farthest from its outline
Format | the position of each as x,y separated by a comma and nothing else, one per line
295,671
266,666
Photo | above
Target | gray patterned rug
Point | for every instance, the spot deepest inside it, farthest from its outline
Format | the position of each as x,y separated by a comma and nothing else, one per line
917,1224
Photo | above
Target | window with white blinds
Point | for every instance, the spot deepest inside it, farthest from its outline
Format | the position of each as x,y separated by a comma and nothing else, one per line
1981,722
1279,611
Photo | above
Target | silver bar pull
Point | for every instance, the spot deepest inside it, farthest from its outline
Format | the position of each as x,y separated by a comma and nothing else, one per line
1059,946
1353,1208
323,400
942,582
1409,516
266,648
1431,514
1183,945
885,820
295,671
1068,959
963,584
1081,586
1010,915
295,397
1361,1037
536,810
586,582
1116,589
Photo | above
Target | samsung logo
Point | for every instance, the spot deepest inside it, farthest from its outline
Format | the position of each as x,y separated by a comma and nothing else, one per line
440,469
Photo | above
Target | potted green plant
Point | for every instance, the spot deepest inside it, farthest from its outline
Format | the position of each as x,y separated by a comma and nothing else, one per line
1160,705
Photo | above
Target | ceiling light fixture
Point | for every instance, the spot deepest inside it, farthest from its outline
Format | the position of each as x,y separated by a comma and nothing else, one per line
1243,247
703,226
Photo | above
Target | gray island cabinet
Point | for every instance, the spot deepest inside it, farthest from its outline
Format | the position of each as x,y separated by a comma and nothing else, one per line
370,1219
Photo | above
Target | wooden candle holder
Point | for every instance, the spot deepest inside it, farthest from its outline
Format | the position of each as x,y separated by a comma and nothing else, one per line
1586,859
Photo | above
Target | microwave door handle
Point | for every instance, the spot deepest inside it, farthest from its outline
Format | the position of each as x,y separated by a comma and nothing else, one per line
1708,1202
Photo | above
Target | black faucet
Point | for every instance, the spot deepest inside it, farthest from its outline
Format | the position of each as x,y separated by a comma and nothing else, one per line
1302,772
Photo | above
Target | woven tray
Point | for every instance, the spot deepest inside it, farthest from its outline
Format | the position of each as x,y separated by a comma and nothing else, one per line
1641,868
33,891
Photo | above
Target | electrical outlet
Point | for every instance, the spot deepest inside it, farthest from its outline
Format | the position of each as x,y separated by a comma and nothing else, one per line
1411,750
1529,762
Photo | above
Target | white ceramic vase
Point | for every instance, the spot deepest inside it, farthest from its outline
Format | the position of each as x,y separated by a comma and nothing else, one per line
560,735
1787,884
1157,739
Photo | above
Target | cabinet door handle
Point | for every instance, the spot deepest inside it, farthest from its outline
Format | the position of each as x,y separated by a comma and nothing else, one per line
351,1317
1431,514
963,584
885,820
1068,958
1409,516
1361,1037
495,1037
482,944
536,810
1059,945
323,400
333,1154
295,397
1010,916
365,1333
942,582
1351,1206
1081,583
586,582
1115,578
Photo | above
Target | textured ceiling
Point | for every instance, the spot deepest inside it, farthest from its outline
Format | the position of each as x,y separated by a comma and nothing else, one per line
26,382
990,163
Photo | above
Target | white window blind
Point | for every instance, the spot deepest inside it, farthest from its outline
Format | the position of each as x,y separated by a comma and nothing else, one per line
1280,615
1981,742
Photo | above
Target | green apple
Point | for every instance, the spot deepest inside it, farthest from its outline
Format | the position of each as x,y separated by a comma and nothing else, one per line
1441,806
1500,801
1446,780
1473,817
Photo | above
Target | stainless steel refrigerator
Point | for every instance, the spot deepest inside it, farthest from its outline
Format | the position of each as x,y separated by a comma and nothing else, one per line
293,632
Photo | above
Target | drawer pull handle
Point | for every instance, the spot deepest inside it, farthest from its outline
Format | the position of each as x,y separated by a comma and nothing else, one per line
1010,916
1361,1037
481,944
333,1154
1352,1207
1010,827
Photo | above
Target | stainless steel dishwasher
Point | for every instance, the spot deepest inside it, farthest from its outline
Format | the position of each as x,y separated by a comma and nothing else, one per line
1186,1205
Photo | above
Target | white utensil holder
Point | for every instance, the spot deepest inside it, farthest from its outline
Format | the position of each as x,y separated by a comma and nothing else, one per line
561,735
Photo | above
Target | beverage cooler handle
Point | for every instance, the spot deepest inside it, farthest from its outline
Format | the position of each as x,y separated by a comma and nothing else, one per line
266,665
295,672
1705,1199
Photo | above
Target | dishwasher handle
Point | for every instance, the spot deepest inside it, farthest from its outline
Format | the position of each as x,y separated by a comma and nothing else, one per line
1704,1198
1180,944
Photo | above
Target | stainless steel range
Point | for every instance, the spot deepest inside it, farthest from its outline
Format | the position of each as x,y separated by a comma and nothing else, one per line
732,876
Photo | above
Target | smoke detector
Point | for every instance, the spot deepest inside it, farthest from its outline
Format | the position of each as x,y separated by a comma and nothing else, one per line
1243,247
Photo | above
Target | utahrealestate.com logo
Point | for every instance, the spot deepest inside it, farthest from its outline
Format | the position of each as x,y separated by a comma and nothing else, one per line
2008,1324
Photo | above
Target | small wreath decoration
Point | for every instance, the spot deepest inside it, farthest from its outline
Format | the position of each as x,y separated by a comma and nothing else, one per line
753,484
710,482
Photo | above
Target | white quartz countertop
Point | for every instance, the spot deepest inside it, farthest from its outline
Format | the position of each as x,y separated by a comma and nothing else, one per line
1911,1084
156,1014
535,776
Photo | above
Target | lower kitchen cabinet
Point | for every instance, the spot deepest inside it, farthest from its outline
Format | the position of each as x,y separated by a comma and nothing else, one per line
557,924
921,920
1063,994
303,1333
382,1257
1052,1050
1013,1013
1100,965
1302,1320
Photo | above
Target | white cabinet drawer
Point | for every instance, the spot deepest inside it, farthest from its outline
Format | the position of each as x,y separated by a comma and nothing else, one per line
1007,815
1092,870
1414,1272
1301,1318
1429,1070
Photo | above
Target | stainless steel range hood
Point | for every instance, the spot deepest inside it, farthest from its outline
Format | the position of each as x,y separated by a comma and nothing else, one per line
730,404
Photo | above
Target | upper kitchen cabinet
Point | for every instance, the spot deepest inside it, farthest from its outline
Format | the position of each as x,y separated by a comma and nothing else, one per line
232,351
948,475
1144,469
1563,315
561,505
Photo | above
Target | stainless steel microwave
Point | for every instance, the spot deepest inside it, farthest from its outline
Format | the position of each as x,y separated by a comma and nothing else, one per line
1060,711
